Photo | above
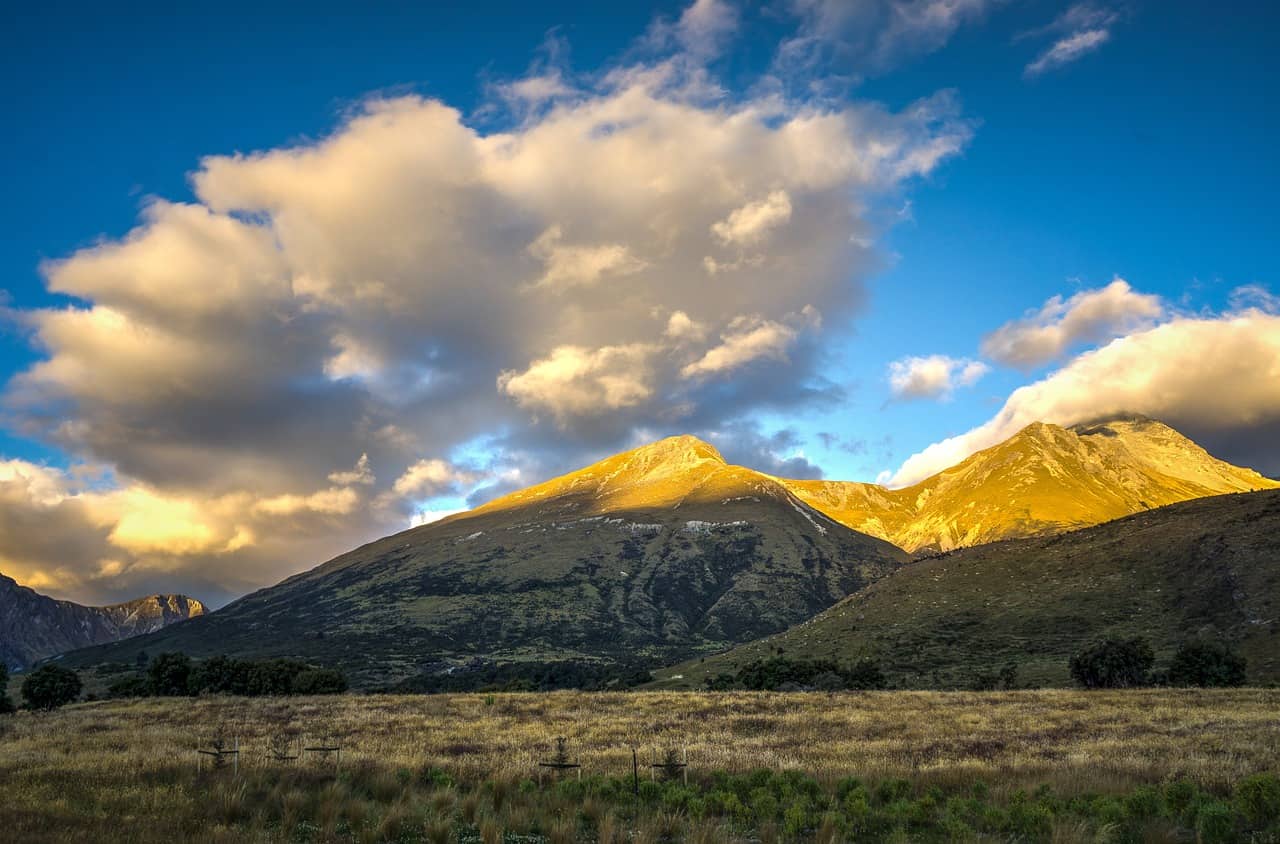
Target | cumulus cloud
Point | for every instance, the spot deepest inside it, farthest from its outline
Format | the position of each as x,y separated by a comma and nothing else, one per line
1088,317
1080,30
411,283
933,376
1215,379
747,339
748,225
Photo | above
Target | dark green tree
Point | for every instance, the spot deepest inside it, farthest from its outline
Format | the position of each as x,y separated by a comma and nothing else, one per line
50,686
6,705
1113,664
1206,663
319,681
170,674
135,685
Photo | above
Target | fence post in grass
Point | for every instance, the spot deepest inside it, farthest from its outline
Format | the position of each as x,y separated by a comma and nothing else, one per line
635,772
560,762
236,760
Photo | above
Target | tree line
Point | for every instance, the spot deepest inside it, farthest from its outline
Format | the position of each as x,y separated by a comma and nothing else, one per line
177,675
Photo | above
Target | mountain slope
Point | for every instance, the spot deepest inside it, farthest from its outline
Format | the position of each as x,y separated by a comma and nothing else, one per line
1209,566
33,626
651,555
1044,479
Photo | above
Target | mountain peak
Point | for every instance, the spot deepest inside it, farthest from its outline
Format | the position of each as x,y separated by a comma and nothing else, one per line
684,449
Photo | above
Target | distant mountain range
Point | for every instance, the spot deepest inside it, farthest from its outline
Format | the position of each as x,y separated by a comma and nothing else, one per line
33,626
1043,480
1209,567
667,552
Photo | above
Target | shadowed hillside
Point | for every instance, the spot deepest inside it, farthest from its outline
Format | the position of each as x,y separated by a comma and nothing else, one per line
1210,566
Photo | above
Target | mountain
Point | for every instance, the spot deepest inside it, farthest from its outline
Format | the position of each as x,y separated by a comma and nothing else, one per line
1205,567
33,626
649,556
1043,480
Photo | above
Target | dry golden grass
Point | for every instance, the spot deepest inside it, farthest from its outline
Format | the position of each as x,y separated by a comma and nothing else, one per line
100,765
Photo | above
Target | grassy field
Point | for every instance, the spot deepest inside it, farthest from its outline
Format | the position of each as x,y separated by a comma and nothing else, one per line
1048,765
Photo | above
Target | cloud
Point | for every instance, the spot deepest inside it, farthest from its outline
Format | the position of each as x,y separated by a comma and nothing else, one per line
574,266
748,225
779,454
574,381
747,339
1078,31
873,37
1088,317
361,474
418,281
432,477
1215,379
933,376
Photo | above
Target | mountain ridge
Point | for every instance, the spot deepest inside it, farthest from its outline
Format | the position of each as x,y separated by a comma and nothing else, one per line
1044,479
35,626
662,550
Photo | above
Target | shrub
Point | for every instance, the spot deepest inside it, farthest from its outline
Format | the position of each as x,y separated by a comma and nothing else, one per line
1205,663
6,705
169,674
1258,799
50,686
1215,823
1113,664
132,686
319,681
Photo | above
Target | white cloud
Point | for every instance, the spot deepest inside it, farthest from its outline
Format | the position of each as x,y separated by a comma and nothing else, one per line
1088,317
361,474
575,381
1216,379
747,339
750,224
578,266
432,477
875,35
1080,30
933,376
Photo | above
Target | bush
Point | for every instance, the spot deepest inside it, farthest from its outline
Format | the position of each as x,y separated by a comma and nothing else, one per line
1204,663
319,681
6,705
1258,799
1113,664
50,686
134,686
169,674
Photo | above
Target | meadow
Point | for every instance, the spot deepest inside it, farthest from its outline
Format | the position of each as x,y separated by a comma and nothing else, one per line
1139,765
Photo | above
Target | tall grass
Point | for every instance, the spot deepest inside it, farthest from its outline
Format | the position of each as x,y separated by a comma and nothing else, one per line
446,768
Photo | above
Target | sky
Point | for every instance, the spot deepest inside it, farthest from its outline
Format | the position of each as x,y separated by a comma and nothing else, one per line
279,279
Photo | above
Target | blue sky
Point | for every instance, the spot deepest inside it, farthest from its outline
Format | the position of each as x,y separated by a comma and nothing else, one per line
1146,158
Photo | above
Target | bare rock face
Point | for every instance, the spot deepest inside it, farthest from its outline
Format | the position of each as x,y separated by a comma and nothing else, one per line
1045,479
33,626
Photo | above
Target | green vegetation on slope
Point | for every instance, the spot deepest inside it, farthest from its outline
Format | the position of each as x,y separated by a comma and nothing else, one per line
1208,568
651,556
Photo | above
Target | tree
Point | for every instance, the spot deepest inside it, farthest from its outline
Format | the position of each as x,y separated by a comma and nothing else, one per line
50,686
1113,664
135,685
6,705
170,674
1206,663
319,681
